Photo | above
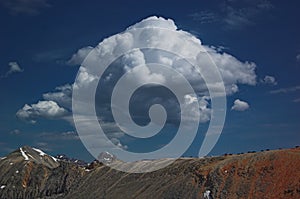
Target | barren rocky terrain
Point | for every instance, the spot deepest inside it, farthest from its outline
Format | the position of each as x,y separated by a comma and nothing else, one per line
30,173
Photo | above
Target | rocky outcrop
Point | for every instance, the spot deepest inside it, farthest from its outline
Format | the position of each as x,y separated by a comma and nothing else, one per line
263,175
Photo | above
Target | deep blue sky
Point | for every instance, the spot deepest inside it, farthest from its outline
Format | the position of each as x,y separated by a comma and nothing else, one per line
41,37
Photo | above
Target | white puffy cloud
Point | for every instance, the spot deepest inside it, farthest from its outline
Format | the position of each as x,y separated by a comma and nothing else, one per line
62,96
43,109
78,57
233,71
239,105
140,74
269,80
84,78
205,111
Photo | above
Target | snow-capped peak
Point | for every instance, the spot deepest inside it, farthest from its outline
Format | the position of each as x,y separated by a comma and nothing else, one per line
38,156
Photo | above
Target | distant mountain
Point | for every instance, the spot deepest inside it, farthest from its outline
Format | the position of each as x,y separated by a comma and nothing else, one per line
30,173
63,157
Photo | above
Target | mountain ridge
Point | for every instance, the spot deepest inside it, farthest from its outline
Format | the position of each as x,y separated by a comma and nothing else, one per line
268,174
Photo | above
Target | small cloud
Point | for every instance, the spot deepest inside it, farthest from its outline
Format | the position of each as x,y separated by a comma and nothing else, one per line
239,105
27,7
296,100
14,67
269,80
15,132
285,90
78,57
55,55
298,58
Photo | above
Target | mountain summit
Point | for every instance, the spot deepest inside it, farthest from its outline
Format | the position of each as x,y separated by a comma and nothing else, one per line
27,154
30,173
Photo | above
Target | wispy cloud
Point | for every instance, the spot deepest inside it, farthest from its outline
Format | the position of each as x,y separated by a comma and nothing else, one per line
15,132
285,90
50,141
49,56
5,147
296,100
67,135
269,80
44,146
28,7
244,13
298,58
14,67
205,16
234,14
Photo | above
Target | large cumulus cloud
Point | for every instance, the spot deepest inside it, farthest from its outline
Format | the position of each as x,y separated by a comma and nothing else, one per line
233,71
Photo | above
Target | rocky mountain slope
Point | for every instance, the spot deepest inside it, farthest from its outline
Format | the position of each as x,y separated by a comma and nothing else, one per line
30,173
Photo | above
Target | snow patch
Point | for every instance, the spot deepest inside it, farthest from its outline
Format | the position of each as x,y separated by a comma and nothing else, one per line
54,159
17,171
3,158
42,153
2,186
30,156
11,163
24,154
207,195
